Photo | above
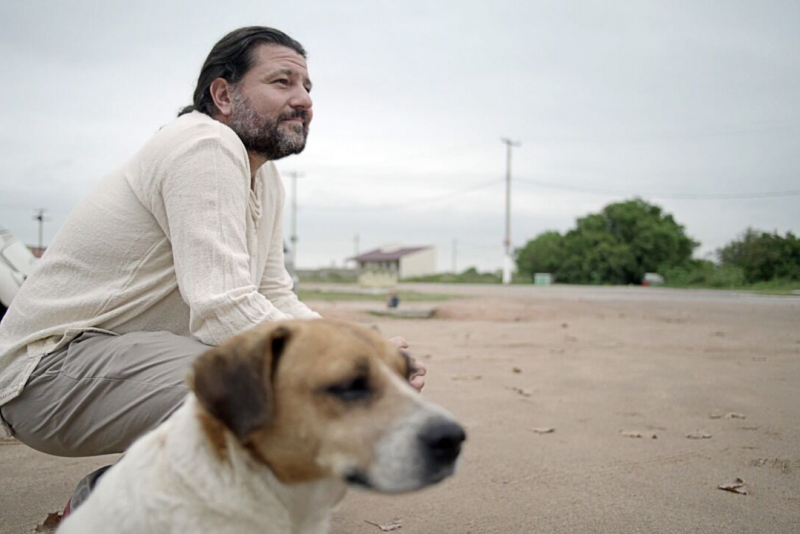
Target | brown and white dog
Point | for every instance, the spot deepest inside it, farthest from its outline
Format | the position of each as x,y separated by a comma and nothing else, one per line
280,420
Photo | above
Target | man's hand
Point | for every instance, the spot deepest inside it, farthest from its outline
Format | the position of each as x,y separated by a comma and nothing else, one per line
416,376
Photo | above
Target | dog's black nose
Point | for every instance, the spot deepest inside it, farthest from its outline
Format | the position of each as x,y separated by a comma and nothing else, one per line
443,439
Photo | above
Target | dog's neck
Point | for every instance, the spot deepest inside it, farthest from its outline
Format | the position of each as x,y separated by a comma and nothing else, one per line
234,481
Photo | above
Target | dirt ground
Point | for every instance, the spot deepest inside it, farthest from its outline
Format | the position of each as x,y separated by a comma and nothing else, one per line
599,366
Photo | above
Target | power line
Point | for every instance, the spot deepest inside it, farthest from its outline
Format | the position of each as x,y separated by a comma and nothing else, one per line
439,152
667,196
562,187
655,136
731,196
415,203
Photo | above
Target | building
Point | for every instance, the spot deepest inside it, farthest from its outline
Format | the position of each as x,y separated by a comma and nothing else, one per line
387,265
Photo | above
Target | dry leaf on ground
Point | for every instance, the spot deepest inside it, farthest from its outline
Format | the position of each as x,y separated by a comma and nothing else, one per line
737,486
386,527
544,430
523,392
50,524
729,415
638,434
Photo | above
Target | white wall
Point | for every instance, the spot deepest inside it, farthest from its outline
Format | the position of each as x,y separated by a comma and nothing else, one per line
420,263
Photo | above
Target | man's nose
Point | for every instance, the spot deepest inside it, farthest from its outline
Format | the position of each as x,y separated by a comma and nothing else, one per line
301,99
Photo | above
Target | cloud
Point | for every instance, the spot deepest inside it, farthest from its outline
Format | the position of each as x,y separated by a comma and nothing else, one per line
610,100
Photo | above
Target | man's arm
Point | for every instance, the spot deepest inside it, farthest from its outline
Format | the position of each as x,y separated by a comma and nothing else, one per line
203,210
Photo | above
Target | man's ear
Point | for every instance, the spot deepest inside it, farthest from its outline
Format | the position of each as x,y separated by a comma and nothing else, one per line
222,94
233,382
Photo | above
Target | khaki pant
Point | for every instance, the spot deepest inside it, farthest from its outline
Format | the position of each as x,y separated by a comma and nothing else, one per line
101,392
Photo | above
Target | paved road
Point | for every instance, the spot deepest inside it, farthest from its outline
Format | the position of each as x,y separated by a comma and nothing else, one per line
592,293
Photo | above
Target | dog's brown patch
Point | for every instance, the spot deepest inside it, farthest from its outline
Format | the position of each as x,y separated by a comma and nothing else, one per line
215,433
233,381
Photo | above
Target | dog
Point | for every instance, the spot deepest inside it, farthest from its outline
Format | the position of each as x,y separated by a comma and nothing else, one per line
279,422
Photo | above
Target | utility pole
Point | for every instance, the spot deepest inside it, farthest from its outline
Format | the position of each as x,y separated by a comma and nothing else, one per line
507,260
40,218
355,245
293,237
454,257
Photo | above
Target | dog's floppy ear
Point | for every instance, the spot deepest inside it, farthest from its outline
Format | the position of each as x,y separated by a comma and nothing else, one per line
233,382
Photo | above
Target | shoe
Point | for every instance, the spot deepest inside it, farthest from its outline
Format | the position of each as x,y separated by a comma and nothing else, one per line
84,489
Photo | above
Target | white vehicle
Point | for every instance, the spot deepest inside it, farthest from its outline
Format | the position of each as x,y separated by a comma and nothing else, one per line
16,264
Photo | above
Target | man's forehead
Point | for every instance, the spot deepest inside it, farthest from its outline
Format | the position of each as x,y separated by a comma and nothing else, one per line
278,57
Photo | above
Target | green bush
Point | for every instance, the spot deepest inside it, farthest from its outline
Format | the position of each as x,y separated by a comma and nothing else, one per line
692,273
763,257
616,246
777,285
469,276
544,254
727,277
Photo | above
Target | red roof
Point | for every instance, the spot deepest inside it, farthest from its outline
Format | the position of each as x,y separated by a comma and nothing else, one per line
379,255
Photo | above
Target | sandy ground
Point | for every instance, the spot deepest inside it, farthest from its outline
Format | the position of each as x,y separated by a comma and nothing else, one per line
595,364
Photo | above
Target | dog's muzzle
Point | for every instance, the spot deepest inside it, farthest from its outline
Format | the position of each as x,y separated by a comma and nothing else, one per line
421,449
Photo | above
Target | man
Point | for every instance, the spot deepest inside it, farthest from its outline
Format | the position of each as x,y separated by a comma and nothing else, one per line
177,250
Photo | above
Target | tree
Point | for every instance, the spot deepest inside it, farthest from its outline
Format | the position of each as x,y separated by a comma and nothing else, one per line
616,246
763,256
544,254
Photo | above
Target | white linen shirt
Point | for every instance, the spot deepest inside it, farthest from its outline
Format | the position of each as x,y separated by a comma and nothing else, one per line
175,240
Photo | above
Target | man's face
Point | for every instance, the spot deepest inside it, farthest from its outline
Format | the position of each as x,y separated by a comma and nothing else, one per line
271,105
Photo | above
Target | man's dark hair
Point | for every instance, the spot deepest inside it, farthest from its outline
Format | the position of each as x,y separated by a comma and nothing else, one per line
231,58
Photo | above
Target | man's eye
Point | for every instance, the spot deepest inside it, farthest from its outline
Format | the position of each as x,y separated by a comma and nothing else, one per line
352,390
282,81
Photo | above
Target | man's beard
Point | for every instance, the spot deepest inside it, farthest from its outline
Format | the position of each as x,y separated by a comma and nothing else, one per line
263,136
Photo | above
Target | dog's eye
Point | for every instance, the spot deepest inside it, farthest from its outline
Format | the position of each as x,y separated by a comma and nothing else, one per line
351,390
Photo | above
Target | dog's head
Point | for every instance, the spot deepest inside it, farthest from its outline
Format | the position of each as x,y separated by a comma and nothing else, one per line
316,399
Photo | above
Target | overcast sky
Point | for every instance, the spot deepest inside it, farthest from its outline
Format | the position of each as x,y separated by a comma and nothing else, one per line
694,106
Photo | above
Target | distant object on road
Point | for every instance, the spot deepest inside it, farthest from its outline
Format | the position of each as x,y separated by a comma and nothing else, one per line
16,264
652,279
542,279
